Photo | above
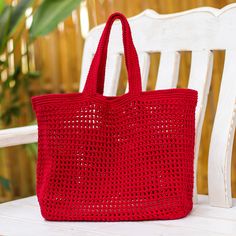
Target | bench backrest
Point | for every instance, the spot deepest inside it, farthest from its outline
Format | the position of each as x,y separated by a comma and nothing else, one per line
200,31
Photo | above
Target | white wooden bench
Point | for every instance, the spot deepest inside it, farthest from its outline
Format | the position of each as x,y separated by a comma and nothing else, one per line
199,31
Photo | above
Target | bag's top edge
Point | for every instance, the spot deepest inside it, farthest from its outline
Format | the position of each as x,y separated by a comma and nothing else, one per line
72,97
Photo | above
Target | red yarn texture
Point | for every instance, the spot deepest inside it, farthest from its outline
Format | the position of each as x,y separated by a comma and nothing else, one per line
127,157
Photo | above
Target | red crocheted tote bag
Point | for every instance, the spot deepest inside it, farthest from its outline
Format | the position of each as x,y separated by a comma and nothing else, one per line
127,157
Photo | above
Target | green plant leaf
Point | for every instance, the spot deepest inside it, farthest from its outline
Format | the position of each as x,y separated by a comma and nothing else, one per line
3,63
33,74
49,14
4,26
31,149
5,183
9,20
17,13
13,111
2,5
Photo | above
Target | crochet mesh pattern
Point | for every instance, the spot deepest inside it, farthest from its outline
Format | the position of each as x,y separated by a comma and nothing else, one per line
127,157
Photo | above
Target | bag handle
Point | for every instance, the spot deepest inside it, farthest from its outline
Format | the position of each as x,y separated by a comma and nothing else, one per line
96,76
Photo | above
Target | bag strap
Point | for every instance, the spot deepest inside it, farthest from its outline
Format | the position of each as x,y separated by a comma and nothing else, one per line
96,76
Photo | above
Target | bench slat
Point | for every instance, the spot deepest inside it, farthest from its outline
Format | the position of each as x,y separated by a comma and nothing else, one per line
17,136
144,64
112,75
200,79
168,70
24,215
220,153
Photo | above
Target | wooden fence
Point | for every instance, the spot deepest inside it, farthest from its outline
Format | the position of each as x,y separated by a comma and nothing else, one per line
58,58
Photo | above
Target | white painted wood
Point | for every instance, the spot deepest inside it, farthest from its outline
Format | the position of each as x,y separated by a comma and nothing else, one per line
20,135
168,70
88,55
144,64
112,75
200,79
22,217
200,31
192,30
220,154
